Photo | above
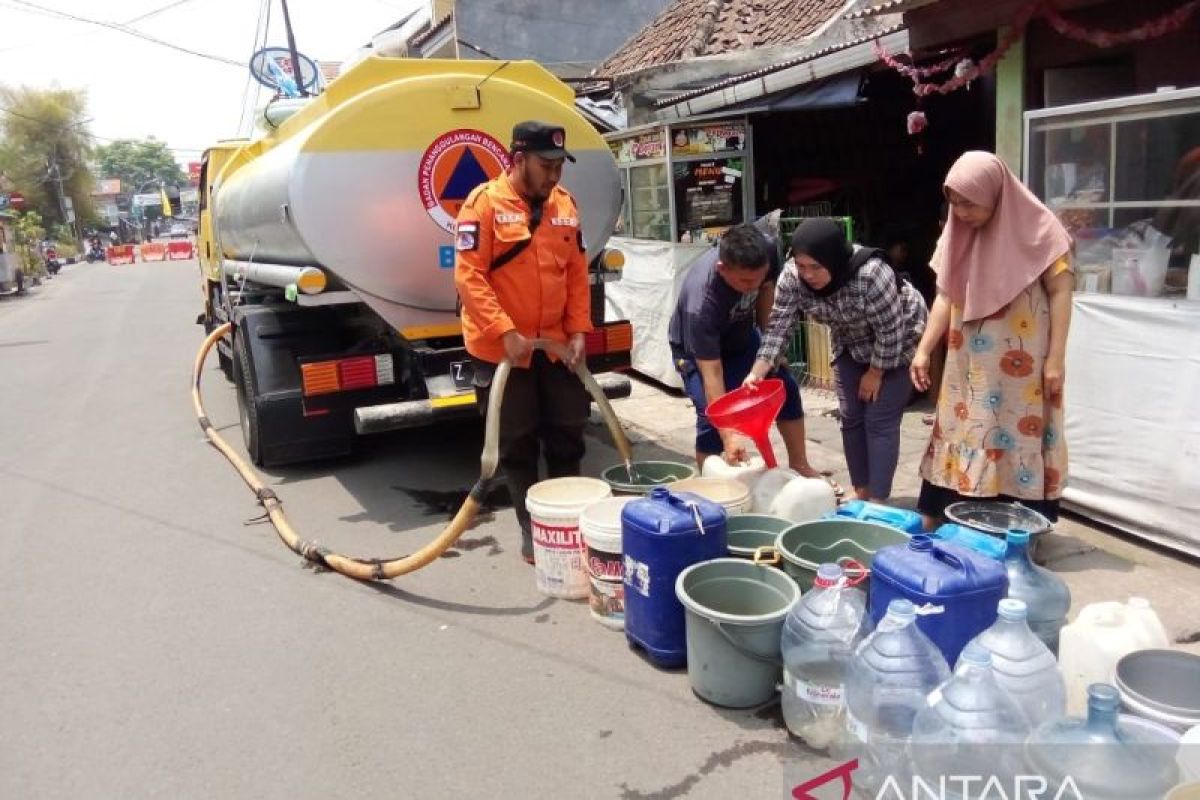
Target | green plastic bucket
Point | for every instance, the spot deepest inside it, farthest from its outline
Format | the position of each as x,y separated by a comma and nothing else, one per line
734,618
806,546
649,475
748,532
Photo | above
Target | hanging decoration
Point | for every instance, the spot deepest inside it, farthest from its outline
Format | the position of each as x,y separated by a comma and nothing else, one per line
1166,24
965,70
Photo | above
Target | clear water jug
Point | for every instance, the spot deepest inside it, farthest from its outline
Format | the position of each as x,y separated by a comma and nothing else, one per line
892,672
1024,665
819,637
971,726
1045,594
1101,633
1099,758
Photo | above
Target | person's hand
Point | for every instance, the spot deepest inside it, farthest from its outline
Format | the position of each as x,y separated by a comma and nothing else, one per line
576,350
756,374
1052,379
735,452
918,371
868,387
517,348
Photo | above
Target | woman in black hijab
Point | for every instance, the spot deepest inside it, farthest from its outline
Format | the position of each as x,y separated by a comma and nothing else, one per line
876,320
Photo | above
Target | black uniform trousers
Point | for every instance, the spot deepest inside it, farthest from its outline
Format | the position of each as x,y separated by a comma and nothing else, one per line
544,413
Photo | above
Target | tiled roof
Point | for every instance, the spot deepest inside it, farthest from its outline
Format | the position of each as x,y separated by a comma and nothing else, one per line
691,28
428,33
846,33
869,8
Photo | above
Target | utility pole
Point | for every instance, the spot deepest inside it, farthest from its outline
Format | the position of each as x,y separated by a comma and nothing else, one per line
68,212
297,73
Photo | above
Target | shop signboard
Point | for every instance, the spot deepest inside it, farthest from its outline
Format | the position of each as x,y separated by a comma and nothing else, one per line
643,147
194,173
711,138
108,186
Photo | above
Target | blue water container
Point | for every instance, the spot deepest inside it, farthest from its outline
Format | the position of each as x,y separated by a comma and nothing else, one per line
661,536
955,589
978,541
899,518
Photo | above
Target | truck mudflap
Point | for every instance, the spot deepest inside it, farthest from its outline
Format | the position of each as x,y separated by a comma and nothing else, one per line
418,413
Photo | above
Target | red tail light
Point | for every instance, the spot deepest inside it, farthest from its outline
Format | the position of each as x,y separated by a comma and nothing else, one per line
347,374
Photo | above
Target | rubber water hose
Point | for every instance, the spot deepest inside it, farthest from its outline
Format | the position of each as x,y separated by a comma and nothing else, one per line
382,569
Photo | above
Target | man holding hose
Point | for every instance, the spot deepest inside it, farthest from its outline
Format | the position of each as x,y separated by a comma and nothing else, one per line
521,273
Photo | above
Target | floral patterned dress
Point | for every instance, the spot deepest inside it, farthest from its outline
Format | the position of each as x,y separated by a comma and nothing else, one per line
995,433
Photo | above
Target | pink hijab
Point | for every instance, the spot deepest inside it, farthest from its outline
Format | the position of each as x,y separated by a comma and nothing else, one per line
984,270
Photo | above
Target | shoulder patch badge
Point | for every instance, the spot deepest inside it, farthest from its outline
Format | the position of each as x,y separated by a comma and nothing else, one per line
466,236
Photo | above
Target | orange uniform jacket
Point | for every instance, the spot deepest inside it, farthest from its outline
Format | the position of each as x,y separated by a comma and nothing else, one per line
541,293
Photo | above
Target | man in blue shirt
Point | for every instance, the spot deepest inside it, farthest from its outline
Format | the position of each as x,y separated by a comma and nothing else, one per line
714,339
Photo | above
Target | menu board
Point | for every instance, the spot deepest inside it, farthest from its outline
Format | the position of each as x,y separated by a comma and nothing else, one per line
708,193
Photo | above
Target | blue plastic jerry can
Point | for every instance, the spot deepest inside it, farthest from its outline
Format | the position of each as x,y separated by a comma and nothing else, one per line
956,590
661,536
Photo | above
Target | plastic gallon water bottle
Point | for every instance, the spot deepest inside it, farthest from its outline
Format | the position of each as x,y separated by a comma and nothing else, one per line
1094,643
971,726
820,635
1045,594
892,672
1099,758
1024,665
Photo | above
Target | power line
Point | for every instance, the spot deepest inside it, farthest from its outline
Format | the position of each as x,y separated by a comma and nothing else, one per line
139,18
89,135
260,32
127,30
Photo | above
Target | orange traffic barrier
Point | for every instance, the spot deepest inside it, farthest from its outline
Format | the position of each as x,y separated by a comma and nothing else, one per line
178,251
120,254
154,252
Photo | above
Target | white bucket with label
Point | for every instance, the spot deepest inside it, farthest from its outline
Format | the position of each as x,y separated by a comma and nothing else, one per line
600,524
554,507
731,494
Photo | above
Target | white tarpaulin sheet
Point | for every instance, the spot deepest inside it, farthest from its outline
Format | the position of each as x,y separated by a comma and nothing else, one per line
1132,421
645,295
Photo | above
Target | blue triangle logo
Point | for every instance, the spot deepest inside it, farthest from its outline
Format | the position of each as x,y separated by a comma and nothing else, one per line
467,174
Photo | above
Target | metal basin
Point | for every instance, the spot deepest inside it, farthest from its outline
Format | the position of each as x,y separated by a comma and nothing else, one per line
1162,686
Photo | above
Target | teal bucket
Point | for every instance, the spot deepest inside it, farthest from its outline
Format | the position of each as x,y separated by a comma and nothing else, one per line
748,532
649,474
806,546
734,616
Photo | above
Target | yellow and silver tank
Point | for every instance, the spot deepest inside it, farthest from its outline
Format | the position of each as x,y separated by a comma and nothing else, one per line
365,180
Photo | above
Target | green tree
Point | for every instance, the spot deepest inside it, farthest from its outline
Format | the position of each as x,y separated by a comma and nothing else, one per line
138,163
43,135
30,233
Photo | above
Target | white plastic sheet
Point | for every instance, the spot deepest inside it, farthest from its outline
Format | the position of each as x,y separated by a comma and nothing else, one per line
645,295
1133,416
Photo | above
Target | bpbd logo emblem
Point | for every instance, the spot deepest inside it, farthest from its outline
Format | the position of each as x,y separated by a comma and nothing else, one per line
452,166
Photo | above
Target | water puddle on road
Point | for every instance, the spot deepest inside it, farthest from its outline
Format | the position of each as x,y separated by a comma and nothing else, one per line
445,504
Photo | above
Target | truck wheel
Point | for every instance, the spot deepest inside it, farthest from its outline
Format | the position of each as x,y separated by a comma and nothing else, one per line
248,415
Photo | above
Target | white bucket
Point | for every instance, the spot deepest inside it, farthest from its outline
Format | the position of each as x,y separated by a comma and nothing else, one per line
730,493
554,507
600,524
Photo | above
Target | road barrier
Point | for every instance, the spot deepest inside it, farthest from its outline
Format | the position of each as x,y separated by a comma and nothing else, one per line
121,254
154,252
179,251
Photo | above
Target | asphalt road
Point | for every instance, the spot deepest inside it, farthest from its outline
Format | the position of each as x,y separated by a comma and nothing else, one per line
156,643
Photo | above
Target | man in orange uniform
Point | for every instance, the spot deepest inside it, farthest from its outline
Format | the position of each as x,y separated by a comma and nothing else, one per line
521,273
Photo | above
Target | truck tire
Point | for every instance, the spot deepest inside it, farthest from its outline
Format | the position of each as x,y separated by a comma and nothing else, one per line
248,413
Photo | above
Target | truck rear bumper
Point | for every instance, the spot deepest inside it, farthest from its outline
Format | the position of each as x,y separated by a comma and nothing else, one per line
417,413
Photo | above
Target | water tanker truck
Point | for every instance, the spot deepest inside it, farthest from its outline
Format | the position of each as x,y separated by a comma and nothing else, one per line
328,244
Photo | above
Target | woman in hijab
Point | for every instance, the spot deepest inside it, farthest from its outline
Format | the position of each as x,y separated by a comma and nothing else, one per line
1004,293
876,320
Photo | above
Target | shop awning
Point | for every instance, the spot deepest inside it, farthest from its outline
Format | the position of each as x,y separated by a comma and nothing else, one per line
839,91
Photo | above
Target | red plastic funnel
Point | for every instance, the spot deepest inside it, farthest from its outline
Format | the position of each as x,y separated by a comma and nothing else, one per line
750,411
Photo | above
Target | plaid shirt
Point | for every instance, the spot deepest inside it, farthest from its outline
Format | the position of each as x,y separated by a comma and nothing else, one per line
872,320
